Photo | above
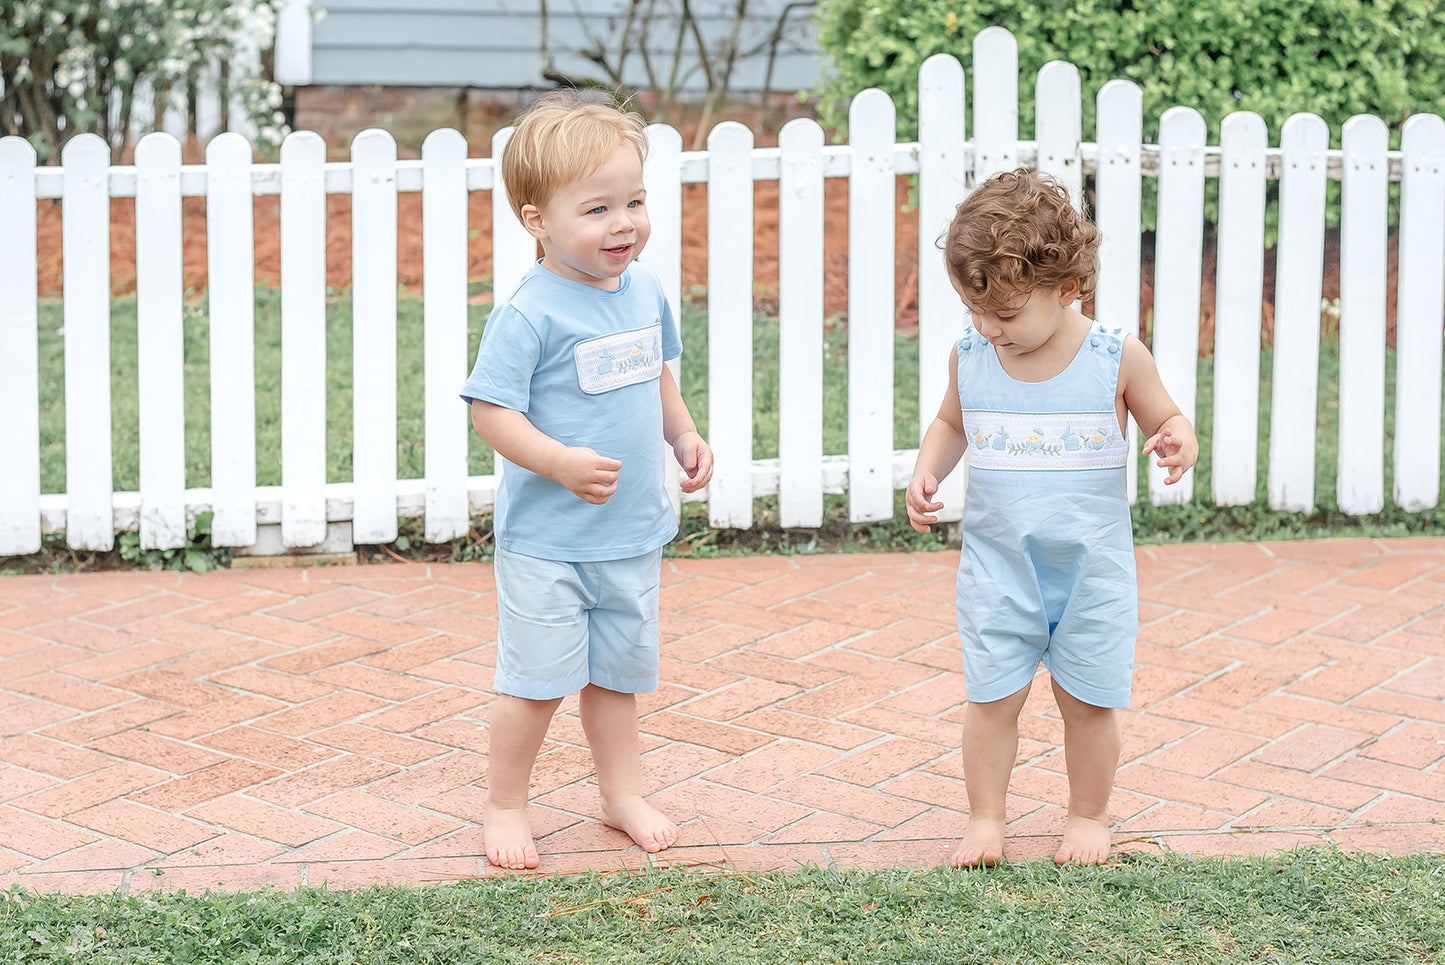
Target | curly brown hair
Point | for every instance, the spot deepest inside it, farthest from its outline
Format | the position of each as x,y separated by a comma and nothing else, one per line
1016,233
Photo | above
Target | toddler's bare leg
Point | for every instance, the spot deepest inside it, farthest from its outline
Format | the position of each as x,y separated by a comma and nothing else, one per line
610,720
518,726
1091,752
990,744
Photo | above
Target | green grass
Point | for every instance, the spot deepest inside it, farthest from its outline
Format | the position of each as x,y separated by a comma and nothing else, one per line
1311,906
1200,520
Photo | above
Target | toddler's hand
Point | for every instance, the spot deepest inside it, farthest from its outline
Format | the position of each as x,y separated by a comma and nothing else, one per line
919,499
694,455
588,475
1174,454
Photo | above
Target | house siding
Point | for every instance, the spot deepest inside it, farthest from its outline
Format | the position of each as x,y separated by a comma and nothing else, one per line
492,44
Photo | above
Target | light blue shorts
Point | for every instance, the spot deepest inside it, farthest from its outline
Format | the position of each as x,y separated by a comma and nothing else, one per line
562,626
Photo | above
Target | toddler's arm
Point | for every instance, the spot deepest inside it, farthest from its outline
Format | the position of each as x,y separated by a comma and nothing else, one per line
943,446
585,473
692,451
1170,433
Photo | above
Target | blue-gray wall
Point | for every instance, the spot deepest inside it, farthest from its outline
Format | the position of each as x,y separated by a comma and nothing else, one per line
498,43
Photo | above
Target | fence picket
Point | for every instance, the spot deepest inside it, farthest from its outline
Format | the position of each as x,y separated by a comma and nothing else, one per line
1118,184
942,185
800,324
231,283
1179,248
1238,301
513,249
85,224
1419,321
662,176
303,340
373,342
730,323
995,102
161,362
1299,277
872,210
1364,227
1059,126
19,352
444,277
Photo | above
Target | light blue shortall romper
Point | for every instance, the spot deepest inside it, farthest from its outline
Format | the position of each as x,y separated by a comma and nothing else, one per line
1047,569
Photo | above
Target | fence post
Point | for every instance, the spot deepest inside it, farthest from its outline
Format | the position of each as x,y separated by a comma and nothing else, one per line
231,297
1177,265
1118,184
161,340
85,222
872,218
1364,228
662,175
373,340
800,324
1059,126
1418,315
303,340
19,352
444,318
1299,275
942,185
513,249
1238,297
995,102
730,323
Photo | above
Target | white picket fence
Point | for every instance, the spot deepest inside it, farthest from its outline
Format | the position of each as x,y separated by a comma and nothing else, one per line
946,161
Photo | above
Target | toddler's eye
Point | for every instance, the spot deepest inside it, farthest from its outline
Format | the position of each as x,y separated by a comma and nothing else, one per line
598,210
635,204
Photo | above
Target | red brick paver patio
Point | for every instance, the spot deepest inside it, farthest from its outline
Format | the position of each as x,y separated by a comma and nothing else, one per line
329,725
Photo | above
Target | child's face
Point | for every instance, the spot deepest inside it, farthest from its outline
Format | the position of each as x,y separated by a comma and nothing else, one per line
1028,324
594,227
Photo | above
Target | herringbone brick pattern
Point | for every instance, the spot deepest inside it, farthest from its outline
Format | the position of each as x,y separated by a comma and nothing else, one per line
289,727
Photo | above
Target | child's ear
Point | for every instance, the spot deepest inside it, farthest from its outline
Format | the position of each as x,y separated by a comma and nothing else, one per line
1069,291
532,220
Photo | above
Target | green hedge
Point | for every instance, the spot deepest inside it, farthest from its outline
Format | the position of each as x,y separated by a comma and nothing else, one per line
1334,58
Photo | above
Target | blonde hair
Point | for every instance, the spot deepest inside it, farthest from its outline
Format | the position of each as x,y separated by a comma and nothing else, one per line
561,138
1016,233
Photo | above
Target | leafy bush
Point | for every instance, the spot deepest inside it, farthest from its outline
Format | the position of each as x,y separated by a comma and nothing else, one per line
70,66
1334,58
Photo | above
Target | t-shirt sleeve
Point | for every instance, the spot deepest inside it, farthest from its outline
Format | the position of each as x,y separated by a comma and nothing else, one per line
506,360
671,340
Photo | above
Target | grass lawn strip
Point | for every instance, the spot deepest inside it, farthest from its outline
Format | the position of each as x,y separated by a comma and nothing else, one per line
1307,906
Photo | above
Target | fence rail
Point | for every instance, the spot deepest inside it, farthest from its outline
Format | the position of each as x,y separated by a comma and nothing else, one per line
305,510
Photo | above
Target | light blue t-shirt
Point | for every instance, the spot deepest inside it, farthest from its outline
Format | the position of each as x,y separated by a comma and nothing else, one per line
583,365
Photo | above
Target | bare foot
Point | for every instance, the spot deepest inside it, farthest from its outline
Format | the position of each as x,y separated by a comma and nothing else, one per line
641,822
982,845
1086,841
509,838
